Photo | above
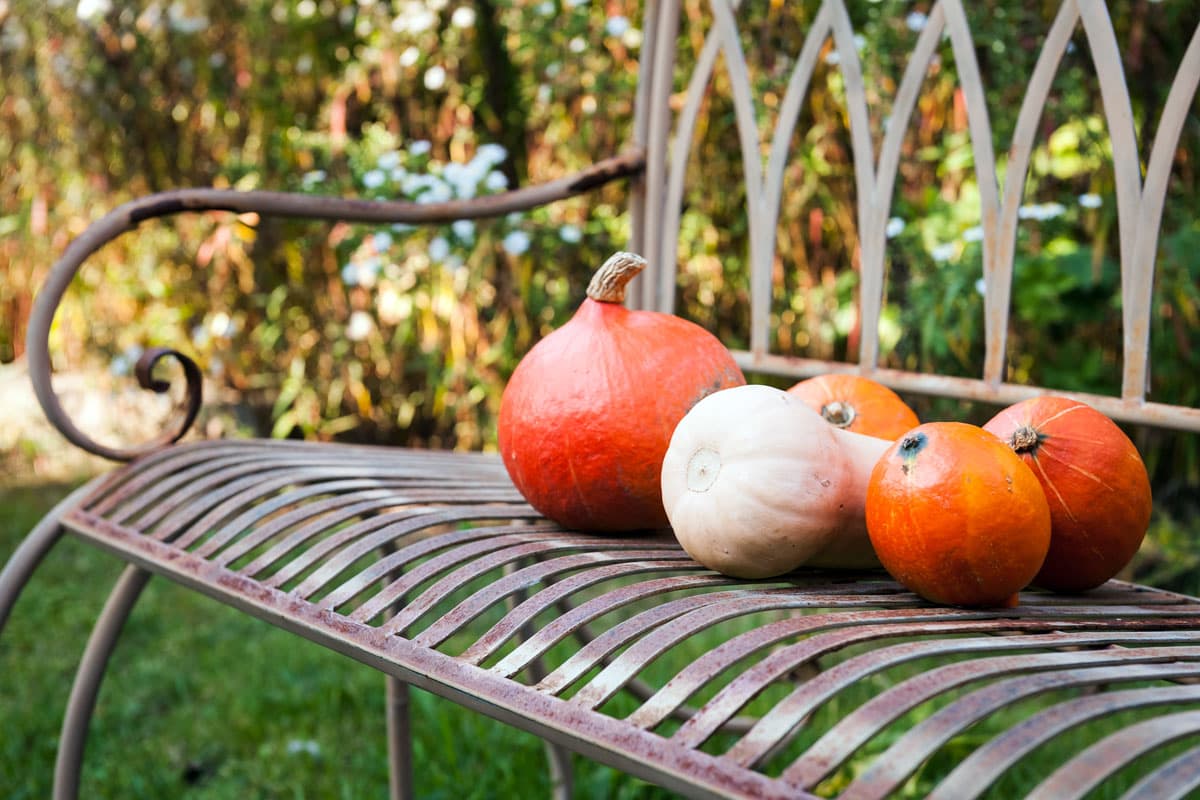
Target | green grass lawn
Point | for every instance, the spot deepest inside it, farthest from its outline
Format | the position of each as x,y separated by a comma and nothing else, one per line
203,702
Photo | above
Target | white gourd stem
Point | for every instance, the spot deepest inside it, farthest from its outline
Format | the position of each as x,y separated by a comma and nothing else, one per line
608,284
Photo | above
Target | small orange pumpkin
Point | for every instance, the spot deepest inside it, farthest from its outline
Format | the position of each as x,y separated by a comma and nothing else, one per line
1094,480
956,516
857,404
588,413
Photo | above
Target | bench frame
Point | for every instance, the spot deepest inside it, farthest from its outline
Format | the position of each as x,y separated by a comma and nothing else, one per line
1148,633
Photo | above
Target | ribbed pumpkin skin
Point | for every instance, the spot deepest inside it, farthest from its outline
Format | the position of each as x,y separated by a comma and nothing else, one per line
1095,482
873,409
587,416
956,516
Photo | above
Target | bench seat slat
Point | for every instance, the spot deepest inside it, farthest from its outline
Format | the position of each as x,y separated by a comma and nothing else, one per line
425,582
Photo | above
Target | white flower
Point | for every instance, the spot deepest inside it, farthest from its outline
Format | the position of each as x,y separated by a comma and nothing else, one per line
439,249
916,21
374,179
575,3
312,178
943,252
304,64
463,17
420,147
860,42
438,192
1041,211
577,45
361,273
221,325
461,178
435,77
570,233
495,181
179,21
974,234
389,160
895,227
516,242
1090,200
90,10
616,25
409,56
491,153
414,17
833,57
981,287
306,8
381,241
546,9
360,326
464,229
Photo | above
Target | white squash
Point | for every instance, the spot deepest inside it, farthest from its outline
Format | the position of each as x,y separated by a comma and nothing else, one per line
755,484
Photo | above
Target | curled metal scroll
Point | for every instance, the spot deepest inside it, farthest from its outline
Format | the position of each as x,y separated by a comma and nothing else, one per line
279,204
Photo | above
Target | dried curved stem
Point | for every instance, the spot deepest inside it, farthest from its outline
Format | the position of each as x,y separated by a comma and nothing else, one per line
280,204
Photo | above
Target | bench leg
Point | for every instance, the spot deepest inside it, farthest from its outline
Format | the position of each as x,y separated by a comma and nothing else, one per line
87,680
399,729
29,553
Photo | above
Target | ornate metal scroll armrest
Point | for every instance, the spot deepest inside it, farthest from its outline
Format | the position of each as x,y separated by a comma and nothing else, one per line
280,204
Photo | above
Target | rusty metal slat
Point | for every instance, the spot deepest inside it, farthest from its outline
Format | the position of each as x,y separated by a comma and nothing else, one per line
792,710
388,567
1088,769
131,481
517,619
354,542
989,761
571,621
152,495
253,530
318,519
748,600
261,535
205,503
519,580
837,631
856,728
445,586
892,768
612,742
459,547
454,560
435,515
638,655
599,646
1174,780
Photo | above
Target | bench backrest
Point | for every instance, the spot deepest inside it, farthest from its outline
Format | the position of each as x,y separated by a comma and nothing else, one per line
671,118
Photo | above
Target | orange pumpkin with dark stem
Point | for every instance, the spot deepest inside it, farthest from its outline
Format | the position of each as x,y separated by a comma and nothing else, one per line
1094,480
587,416
857,404
956,516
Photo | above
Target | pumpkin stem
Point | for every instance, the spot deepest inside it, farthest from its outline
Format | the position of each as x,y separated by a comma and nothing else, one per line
608,284
838,414
1025,439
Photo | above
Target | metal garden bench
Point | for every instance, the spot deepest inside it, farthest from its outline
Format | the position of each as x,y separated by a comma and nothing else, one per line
471,596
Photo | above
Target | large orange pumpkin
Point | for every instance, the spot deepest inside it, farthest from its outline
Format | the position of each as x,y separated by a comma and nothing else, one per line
956,516
857,404
1094,480
588,413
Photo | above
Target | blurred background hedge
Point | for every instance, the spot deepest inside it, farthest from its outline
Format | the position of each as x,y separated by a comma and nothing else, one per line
407,336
